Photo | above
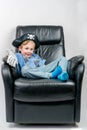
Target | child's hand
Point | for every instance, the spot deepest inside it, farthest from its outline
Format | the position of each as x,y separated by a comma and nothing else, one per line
36,62
12,59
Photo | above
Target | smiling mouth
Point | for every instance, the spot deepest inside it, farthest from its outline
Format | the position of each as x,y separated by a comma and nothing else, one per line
28,55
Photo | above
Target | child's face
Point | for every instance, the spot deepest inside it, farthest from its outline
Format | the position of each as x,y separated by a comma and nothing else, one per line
27,49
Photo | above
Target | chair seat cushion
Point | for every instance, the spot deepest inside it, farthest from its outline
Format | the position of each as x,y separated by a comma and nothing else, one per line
43,90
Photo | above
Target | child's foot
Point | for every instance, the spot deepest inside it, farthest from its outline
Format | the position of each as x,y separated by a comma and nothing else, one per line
63,76
56,72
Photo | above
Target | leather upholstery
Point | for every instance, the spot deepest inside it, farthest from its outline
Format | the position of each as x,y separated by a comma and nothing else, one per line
44,33
43,101
41,91
51,40
44,113
73,63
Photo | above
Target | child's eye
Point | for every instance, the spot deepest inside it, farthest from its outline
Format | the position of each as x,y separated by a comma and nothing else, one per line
26,48
31,49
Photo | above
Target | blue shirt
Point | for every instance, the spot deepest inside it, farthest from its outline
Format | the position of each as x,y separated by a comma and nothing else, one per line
33,61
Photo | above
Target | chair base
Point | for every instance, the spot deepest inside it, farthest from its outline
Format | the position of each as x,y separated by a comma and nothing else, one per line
44,113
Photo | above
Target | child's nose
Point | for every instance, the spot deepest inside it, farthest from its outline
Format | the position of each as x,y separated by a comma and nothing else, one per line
30,51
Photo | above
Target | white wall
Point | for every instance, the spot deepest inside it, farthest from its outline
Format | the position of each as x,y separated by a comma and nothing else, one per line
71,14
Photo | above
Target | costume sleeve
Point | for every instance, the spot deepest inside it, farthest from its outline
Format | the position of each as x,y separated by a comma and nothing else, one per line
21,62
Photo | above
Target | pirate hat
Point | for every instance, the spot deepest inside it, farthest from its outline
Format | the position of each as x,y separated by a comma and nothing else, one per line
17,42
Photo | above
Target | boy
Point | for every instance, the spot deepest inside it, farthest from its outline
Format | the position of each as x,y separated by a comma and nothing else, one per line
31,65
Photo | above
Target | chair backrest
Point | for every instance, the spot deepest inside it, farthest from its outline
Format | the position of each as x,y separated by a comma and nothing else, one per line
51,40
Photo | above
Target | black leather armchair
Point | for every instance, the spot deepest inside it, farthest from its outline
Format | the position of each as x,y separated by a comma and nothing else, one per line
43,101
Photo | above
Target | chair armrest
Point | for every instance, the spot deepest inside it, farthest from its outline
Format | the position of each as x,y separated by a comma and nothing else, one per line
76,69
73,64
14,70
8,85
79,72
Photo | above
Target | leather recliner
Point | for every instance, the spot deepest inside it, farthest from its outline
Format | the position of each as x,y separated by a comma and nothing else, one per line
43,101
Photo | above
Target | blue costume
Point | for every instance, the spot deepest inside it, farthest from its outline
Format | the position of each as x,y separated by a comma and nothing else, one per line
34,67
33,62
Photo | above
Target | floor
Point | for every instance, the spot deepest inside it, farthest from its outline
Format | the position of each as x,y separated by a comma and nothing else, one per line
78,126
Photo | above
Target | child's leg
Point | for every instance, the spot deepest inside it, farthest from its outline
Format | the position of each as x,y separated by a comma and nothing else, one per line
63,64
56,72
35,73
61,68
40,72
51,70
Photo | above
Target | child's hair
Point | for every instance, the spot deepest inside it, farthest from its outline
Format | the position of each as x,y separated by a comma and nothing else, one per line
26,42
